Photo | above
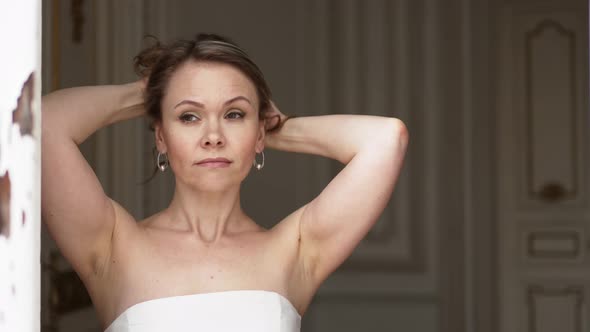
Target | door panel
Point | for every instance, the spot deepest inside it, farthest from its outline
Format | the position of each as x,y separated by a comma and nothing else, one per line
543,140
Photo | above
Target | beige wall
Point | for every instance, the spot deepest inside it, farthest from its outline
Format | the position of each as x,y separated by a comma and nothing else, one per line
267,30
427,265
396,58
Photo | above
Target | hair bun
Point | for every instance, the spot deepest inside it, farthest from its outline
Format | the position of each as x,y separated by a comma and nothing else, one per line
148,57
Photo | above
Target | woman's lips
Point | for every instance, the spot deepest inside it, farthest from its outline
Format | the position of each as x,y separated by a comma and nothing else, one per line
214,162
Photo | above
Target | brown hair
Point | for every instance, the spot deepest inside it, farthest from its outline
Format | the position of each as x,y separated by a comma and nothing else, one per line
158,62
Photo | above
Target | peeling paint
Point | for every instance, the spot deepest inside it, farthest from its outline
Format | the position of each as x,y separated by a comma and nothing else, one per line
23,114
5,205
18,241
20,166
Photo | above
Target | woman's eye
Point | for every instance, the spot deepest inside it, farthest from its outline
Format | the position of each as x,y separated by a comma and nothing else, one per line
234,115
188,117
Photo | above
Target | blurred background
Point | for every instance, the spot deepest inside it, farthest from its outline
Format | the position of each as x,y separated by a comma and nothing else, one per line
488,226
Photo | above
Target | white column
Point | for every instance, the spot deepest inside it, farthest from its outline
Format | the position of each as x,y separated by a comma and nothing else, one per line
20,116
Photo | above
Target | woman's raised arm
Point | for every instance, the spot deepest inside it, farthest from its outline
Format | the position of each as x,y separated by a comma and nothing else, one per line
78,214
334,223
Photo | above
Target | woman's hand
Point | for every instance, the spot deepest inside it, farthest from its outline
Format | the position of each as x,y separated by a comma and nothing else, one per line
132,103
274,118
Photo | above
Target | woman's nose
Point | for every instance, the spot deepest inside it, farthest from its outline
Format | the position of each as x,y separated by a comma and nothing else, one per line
213,137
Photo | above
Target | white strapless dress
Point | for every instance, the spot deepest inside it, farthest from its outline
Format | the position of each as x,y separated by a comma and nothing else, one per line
241,310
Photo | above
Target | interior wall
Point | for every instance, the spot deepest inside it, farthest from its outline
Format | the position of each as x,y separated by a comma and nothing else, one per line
266,29
414,59
405,59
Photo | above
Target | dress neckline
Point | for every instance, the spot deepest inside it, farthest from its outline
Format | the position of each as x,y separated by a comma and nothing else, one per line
226,292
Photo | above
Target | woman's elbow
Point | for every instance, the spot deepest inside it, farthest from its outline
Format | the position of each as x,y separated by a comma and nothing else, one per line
396,132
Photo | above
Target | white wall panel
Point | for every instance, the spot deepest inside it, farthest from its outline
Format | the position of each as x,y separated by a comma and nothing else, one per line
20,151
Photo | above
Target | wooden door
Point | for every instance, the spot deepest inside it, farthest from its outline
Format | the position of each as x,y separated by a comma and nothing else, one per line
543,162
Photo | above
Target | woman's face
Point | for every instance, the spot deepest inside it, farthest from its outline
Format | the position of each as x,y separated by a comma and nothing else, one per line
210,111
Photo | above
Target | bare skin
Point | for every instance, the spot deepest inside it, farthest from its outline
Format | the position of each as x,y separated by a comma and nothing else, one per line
204,242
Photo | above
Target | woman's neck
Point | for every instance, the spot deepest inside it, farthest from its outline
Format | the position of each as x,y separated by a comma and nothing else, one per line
209,215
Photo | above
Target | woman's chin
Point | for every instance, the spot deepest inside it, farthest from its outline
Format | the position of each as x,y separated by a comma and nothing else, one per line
215,184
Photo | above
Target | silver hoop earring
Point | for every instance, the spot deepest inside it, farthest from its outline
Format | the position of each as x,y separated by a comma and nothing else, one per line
256,164
162,164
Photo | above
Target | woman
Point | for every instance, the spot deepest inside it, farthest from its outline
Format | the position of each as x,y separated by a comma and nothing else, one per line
202,264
